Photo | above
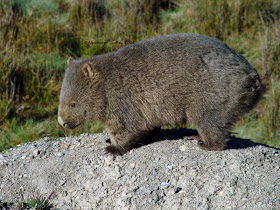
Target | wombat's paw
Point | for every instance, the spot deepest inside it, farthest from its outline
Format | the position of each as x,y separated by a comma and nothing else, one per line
203,146
115,150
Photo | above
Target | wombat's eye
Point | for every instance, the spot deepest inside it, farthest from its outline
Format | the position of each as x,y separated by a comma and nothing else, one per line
73,105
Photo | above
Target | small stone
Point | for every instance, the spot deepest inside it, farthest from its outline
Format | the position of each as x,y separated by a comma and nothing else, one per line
176,189
72,147
36,152
2,160
164,185
42,154
148,191
117,169
59,154
154,173
64,146
170,166
89,161
183,148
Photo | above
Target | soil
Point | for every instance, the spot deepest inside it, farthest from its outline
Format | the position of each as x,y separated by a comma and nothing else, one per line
169,172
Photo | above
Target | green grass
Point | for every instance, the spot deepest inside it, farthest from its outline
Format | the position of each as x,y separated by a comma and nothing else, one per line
15,132
34,202
37,37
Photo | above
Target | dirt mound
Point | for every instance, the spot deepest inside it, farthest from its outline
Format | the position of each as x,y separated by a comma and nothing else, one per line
166,174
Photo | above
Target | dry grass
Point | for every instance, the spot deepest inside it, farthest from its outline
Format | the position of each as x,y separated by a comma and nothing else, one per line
37,37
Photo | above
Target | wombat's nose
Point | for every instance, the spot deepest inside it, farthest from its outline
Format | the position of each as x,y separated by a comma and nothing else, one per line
60,121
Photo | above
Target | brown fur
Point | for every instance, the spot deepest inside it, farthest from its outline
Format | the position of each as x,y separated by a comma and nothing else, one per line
167,80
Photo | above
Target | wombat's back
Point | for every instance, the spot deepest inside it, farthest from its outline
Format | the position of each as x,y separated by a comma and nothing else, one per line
180,77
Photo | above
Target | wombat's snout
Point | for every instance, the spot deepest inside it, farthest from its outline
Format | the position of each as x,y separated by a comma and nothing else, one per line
67,124
61,122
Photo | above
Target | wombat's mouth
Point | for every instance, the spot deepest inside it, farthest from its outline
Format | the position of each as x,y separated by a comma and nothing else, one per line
71,126
68,125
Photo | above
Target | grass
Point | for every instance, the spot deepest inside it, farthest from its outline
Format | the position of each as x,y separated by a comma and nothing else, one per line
37,37
38,203
34,202
15,132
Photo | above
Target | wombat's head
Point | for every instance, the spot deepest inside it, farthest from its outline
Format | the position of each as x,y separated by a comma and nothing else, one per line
82,94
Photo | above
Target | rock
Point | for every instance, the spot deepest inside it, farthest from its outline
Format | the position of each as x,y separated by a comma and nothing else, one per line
183,148
164,185
64,146
176,189
36,152
155,176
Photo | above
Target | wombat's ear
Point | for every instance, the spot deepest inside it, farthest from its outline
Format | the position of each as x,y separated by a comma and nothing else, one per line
89,71
69,61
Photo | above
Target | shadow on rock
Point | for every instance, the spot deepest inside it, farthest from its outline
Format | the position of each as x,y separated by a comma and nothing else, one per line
238,143
175,134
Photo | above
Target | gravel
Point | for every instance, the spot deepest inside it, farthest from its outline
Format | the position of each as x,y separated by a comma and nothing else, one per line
169,173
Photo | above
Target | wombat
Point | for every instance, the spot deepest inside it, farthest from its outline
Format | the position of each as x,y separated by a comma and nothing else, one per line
169,80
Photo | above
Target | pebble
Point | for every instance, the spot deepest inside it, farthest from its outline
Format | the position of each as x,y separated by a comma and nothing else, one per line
59,154
154,173
36,152
183,148
164,185
64,146
148,191
72,147
23,157
176,189
133,165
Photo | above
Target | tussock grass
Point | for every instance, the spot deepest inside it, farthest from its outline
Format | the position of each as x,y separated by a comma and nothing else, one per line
37,37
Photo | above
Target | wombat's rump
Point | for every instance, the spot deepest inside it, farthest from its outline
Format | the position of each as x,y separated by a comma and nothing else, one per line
167,80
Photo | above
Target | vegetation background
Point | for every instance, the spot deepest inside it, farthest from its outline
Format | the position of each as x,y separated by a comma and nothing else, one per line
37,37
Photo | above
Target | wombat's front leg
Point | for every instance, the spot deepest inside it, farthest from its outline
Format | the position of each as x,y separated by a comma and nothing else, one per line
211,140
122,142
